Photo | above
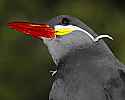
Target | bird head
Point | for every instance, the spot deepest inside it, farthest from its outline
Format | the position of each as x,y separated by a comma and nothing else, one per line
62,34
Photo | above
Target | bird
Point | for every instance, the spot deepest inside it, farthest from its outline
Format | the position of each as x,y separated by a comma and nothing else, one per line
86,67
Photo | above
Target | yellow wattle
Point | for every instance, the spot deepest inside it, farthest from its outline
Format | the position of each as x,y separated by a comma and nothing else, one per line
63,31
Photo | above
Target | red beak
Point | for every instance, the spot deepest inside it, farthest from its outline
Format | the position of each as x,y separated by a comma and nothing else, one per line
32,29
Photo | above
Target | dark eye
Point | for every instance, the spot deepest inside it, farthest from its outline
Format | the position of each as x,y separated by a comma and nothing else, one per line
65,21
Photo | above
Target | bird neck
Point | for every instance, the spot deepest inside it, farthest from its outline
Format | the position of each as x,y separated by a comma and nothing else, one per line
98,52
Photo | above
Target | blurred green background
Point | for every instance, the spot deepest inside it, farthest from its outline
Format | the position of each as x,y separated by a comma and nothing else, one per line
25,62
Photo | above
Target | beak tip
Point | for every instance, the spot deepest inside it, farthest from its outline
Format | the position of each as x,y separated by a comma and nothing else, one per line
32,29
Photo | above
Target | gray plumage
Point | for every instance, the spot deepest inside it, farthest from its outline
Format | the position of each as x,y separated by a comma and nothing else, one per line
86,70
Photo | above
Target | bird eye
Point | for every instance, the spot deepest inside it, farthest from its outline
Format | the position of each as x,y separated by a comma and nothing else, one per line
65,21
